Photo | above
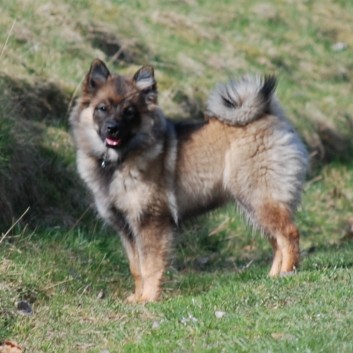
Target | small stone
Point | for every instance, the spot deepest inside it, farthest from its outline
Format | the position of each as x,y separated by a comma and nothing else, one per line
339,46
24,307
155,325
219,314
101,294
186,320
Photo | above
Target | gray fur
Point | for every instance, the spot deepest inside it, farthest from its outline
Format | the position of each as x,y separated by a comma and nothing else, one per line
240,102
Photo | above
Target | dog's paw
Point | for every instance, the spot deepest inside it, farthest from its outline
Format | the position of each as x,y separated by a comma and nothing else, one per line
140,299
132,299
288,273
144,299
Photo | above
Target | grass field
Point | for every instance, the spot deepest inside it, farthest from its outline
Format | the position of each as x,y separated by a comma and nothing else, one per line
63,274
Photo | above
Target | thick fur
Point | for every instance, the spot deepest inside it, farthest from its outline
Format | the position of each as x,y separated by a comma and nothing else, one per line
243,101
146,172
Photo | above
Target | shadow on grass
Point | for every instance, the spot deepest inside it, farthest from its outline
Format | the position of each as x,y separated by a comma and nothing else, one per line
32,174
220,241
329,256
331,143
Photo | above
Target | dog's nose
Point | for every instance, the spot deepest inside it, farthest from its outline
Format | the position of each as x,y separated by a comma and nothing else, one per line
112,127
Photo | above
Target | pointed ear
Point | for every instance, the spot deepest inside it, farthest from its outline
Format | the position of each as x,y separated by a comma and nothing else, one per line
144,78
146,83
96,77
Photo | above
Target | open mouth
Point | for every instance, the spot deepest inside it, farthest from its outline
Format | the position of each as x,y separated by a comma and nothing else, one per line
112,141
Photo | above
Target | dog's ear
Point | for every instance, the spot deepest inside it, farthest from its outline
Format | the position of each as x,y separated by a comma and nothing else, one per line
146,83
96,77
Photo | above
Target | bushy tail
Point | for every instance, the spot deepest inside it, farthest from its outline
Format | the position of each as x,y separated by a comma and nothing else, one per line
240,102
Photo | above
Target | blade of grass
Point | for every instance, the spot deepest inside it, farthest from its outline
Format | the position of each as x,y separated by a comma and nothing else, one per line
7,38
13,225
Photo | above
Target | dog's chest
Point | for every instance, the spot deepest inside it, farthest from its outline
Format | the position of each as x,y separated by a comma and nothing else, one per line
130,191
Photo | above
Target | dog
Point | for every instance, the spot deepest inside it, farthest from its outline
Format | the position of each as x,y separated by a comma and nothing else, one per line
147,173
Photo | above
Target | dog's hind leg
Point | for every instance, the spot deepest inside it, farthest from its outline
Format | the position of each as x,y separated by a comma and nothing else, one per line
275,219
277,258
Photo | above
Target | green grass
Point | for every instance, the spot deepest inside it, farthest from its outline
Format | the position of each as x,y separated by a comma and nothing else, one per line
62,273
60,258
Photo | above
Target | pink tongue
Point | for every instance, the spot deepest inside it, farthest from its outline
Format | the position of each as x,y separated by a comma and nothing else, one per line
112,142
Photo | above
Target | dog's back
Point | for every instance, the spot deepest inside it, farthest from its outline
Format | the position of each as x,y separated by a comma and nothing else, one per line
247,149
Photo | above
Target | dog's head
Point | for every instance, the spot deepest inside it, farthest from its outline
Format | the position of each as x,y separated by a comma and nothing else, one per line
116,107
118,103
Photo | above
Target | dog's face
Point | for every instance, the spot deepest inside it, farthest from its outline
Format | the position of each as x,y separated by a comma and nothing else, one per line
118,105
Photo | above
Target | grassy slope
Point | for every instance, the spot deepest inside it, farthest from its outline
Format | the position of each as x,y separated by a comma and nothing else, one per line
219,264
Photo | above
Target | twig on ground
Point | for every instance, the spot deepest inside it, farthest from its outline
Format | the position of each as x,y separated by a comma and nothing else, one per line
74,95
13,225
58,283
79,219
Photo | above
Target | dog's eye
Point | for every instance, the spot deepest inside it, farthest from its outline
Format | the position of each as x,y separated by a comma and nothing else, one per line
129,112
102,107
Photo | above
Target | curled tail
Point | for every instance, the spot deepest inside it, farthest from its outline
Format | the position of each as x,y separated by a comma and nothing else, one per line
240,102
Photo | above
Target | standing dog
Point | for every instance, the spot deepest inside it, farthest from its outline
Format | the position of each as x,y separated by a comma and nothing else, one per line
146,172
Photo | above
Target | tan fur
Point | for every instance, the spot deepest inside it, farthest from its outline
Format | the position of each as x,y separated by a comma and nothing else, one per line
164,172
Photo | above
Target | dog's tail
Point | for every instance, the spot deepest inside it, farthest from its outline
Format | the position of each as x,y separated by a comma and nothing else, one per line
240,102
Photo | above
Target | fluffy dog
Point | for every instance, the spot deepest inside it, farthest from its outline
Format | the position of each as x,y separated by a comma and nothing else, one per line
146,173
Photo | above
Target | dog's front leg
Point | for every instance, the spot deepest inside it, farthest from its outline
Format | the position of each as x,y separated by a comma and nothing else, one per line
153,242
129,244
